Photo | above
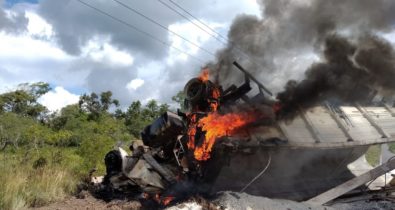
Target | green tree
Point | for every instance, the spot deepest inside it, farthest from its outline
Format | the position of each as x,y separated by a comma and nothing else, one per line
134,119
23,101
69,117
151,110
98,137
37,89
163,108
137,116
95,106
179,98
106,100
38,135
93,149
119,114
13,130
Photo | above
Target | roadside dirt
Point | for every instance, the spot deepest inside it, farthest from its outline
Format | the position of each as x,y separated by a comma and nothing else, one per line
226,201
88,202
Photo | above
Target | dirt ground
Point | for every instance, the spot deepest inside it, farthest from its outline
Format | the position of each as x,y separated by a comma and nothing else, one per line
225,201
88,202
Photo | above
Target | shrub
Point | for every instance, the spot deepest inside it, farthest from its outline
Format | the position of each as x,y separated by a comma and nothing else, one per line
373,155
33,181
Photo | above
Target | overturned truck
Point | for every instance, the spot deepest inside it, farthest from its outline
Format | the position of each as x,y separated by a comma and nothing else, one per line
227,140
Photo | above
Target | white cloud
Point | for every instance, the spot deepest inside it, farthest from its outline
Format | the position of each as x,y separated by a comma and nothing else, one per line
193,33
390,36
98,49
24,58
58,98
38,26
28,48
109,55
135,84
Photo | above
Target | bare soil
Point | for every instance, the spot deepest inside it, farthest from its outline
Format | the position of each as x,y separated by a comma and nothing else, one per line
226,201
88,202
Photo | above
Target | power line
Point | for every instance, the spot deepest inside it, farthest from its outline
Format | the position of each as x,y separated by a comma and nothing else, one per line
139,30
162,26
252,60
187,18
207,26
185,39
201,22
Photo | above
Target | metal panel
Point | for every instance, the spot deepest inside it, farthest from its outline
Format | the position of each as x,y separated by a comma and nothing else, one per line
297,131
327,127
361,129
383,118
364,127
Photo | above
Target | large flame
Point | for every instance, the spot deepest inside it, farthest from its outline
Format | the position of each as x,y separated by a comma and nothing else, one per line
216,126
192,131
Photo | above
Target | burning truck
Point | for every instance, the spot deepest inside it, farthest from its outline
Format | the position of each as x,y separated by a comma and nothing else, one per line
229,140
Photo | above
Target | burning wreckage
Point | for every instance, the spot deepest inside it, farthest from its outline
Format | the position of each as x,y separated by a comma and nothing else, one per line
229,141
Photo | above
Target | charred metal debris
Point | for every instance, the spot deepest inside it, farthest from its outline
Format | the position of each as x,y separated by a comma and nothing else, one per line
172,160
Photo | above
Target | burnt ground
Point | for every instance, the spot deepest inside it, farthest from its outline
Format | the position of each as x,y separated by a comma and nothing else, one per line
85,201
225,201
228,200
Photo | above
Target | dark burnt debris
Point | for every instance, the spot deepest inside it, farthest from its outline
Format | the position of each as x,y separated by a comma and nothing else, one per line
171,162
226,139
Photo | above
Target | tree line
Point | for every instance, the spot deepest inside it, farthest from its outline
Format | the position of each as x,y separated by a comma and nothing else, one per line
88,126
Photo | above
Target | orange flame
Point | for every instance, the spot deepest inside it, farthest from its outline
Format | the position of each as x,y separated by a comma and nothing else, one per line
167,200
217,126
192,132
160,200
215,95
204,75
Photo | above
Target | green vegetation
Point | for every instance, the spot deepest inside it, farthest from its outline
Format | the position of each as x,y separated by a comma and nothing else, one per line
373,155
36,177
392,147
179,98
44,155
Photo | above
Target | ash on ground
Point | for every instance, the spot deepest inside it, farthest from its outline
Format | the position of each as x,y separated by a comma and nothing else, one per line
224,201
234,200
366,205
243,201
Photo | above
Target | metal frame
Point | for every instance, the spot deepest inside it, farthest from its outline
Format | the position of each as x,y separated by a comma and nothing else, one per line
372,121
339,122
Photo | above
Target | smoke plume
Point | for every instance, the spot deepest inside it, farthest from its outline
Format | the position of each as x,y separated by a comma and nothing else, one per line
350,72
287,40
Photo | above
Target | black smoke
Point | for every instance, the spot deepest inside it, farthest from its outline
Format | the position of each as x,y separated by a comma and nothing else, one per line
350,71
355,60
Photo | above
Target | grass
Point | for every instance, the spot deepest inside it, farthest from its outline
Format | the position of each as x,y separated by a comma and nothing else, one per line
373,155
33,176
26,181
23,187
392,147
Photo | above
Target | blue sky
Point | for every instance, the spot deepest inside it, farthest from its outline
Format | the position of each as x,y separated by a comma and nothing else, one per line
77,50
10,3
